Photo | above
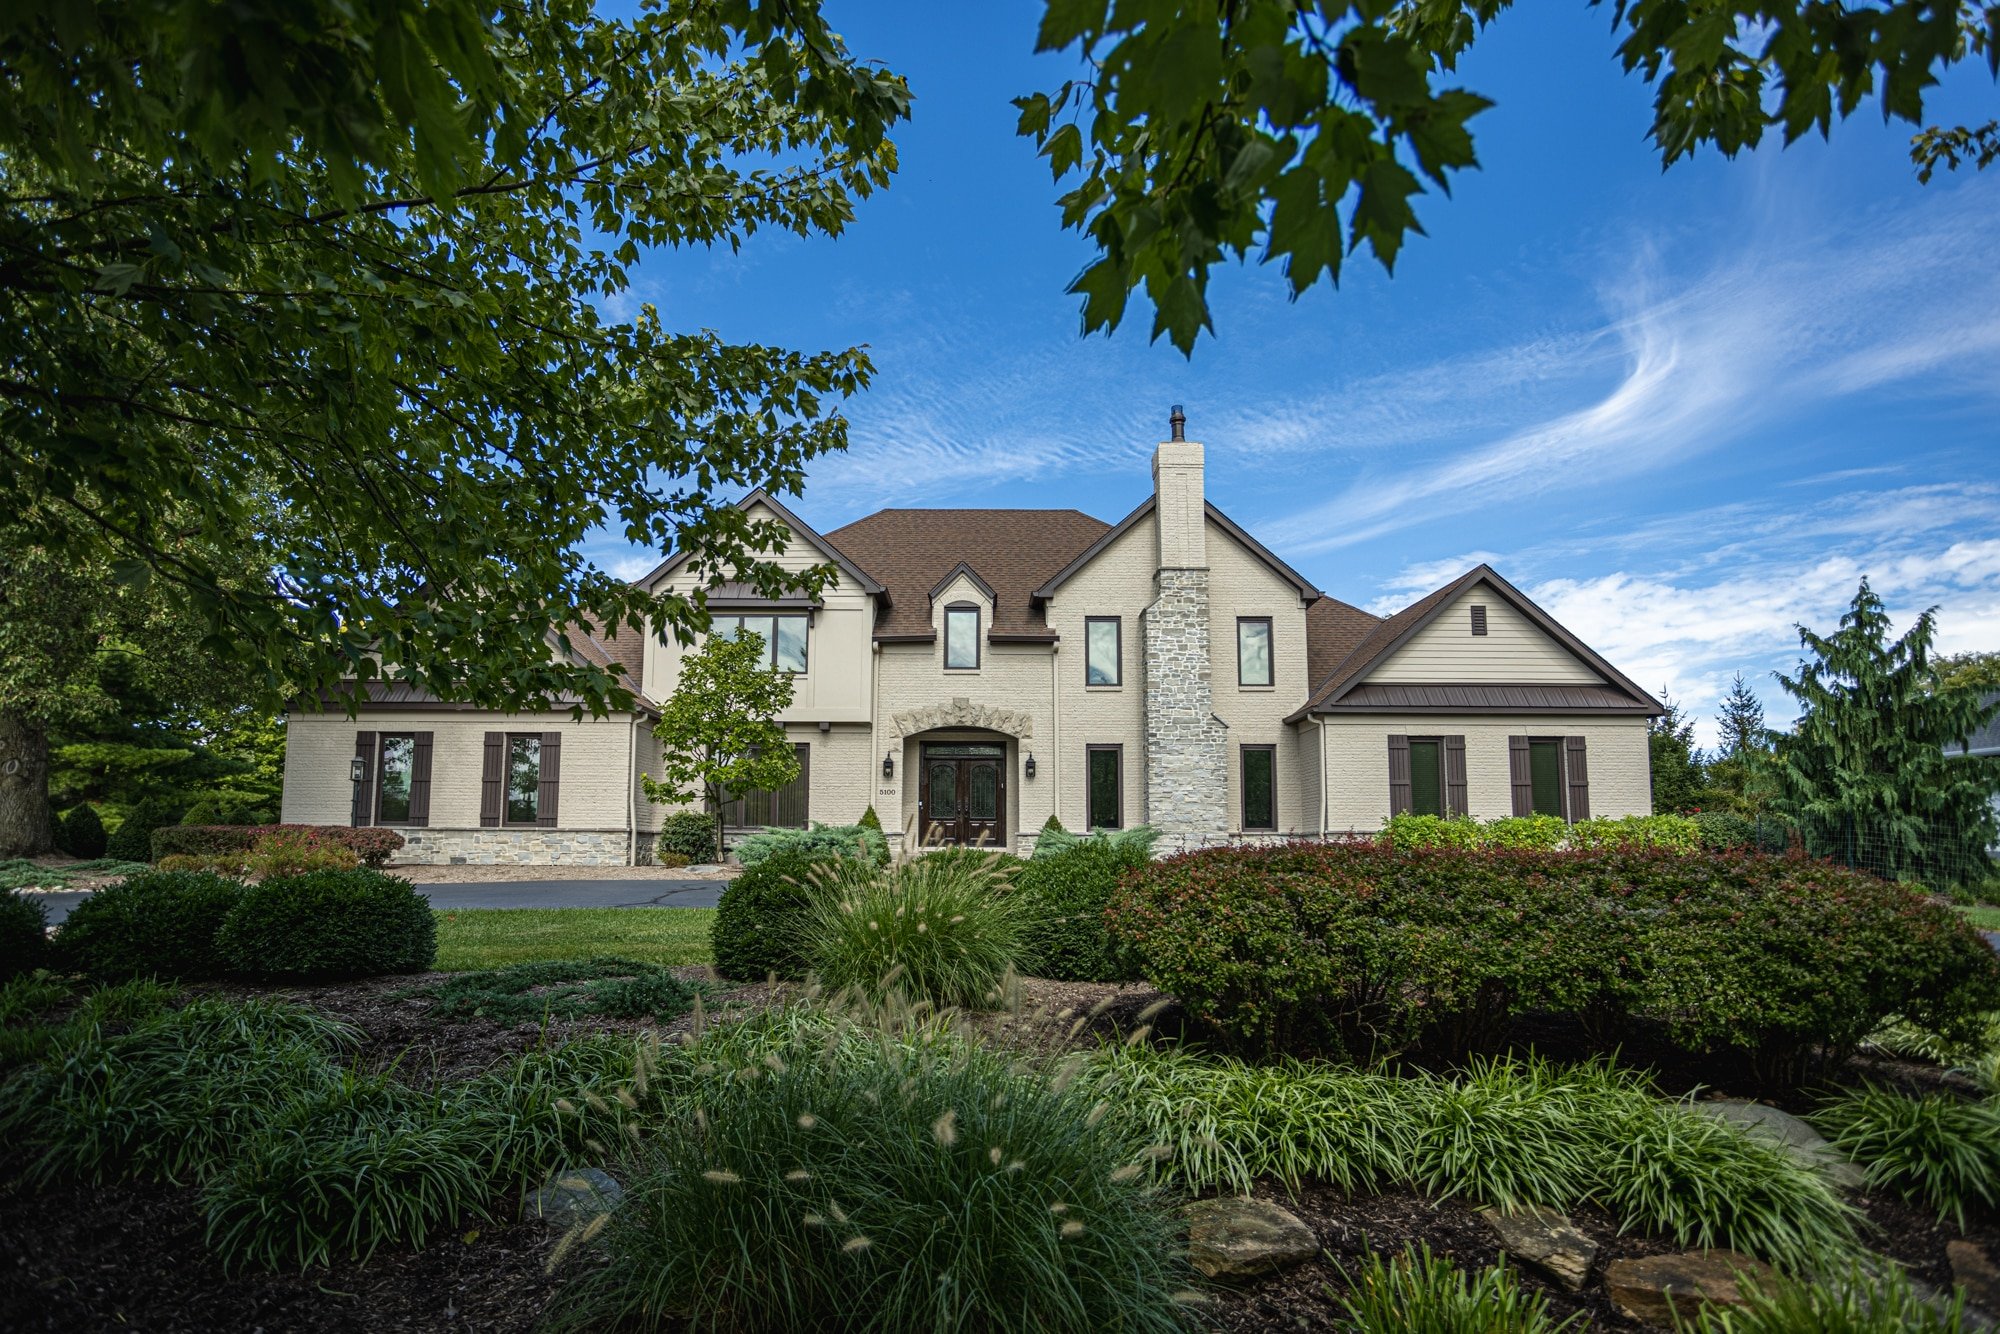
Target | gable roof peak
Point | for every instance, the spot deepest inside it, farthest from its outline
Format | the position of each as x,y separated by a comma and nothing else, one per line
800,527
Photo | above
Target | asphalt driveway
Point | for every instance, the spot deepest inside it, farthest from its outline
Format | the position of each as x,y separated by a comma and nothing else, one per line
522,894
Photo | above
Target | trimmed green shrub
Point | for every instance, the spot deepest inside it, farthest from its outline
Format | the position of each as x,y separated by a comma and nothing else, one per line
1939,1150
849,840
689,834
331,925
340,1170
1676,833
24,934
1415,1292
874,1183
759,928
1054,839
942,928
229,808
870,820
132,840
613,988
1366,950
155,924
81,833
1063,900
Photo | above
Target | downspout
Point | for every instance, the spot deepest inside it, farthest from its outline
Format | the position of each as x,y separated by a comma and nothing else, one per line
1324,796
1055,732
632,793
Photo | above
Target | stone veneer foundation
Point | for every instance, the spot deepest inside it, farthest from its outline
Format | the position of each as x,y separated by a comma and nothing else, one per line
514,847
1187,780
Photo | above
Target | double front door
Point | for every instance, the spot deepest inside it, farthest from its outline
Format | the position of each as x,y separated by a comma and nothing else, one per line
963,795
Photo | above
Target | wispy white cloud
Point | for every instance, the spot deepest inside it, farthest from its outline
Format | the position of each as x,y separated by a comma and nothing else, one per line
1782,326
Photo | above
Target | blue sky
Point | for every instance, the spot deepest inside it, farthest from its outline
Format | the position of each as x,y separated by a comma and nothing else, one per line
1683,410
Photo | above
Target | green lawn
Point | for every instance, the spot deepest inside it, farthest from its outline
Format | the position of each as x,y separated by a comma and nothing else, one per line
1985,918
492,937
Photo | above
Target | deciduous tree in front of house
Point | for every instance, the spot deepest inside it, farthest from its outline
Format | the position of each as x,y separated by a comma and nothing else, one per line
719,734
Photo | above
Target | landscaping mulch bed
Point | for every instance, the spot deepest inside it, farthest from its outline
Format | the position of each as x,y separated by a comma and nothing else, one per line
131,1257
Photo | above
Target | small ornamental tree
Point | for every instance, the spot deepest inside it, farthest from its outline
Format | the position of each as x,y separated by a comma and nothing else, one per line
718,734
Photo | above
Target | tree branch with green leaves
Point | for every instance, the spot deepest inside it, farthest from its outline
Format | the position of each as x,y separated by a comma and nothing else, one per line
1297,131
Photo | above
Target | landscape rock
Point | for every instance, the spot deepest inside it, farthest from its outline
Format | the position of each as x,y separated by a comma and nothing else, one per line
1972,1268
570,1198
1231,1237
1653,1288
1546,1241
1794,1135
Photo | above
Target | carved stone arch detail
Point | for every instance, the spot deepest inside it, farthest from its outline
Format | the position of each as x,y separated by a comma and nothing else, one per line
963,713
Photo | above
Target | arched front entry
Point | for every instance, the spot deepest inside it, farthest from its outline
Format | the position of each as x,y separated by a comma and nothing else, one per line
962,791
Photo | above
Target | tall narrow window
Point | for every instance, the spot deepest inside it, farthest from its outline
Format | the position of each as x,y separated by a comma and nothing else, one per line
1426,775
961,637
524,779
1104,771
1103,653
1545,772
392,792
1253,651
1259,783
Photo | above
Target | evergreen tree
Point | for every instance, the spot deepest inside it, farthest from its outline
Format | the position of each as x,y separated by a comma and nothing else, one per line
1677,769
1865,771
1741,721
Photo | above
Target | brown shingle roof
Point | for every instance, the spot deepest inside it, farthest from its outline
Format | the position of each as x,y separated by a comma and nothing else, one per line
1333,631
1014,551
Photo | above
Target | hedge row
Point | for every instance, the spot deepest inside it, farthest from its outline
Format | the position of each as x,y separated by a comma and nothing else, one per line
1673,833
373,846
329,925
1367,950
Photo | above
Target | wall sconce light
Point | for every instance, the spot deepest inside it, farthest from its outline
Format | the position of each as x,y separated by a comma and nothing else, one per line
1029,768
888,764
357,769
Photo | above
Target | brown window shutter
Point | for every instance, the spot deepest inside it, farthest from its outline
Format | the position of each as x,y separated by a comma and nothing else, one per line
1576,771
364,791
545,799
1399,775
802,786
420,781
1454,776
490,790
1520,775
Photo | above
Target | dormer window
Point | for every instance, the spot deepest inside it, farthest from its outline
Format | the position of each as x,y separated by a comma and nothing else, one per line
961,637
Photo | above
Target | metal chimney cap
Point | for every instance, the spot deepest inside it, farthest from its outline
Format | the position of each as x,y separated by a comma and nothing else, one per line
1177,421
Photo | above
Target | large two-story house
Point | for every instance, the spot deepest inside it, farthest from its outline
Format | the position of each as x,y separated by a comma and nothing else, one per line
972,672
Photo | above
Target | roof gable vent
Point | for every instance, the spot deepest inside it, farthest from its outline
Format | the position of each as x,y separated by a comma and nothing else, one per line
1478,618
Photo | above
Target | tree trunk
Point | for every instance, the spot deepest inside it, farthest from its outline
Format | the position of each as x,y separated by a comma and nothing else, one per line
27,826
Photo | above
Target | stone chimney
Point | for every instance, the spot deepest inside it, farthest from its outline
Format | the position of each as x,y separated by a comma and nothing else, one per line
1187,782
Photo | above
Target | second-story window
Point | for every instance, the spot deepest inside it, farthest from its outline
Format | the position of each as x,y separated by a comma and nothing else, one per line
784,637
1104,660
961,636
1253,651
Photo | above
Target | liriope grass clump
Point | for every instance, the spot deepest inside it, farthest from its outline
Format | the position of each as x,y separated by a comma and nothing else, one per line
1877,1299
170,1097
1502,1132
343,1169
942,927
1415,1292
818,1175
1940,1150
